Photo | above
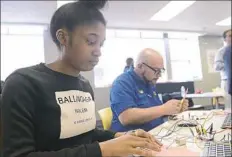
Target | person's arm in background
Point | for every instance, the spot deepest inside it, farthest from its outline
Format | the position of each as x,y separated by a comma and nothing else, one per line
230,84
218,60
123,103
227,63
18,106
2,84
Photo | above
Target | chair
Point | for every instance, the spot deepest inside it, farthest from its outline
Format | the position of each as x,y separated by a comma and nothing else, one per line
216,100
106,117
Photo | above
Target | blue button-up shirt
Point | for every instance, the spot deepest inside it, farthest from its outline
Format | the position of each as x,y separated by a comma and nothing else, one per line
127,68
130,91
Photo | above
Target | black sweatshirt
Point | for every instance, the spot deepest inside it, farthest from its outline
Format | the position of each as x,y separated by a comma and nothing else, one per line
49,114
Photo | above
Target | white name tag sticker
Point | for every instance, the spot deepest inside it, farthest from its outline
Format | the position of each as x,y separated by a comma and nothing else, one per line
77,112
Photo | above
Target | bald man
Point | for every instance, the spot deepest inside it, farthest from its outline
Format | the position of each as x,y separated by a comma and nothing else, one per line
133,97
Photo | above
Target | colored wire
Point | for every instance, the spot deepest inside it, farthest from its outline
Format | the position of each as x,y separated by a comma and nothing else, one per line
175,129
167,128
207,118
173,141
221,131
195,142
170,130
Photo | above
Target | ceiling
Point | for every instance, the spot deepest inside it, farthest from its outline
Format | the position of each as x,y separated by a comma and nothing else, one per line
200,17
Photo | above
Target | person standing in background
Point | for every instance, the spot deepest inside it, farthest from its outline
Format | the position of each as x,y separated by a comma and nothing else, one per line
129,64
219,61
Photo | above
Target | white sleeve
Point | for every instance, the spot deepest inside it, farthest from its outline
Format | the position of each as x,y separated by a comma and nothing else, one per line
218,61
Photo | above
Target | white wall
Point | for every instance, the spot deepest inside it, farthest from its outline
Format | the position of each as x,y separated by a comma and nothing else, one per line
102,94
50,50
210,80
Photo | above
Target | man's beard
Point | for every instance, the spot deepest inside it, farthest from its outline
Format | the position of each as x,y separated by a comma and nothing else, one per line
149,81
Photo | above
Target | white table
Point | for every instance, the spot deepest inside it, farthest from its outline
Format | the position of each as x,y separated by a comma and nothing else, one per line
217,121
210,95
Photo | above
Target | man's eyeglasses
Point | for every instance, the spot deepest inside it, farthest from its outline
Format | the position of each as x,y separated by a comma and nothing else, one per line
156,70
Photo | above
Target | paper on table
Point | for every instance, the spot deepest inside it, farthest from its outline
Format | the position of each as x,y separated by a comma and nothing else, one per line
177,152
173,152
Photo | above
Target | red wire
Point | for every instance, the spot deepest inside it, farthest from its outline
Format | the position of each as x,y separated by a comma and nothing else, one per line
221,131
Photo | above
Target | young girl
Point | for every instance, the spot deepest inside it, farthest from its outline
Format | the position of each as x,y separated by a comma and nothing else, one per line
49,110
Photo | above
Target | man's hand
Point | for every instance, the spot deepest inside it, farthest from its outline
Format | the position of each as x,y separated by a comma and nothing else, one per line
175,106
129,145
184,105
